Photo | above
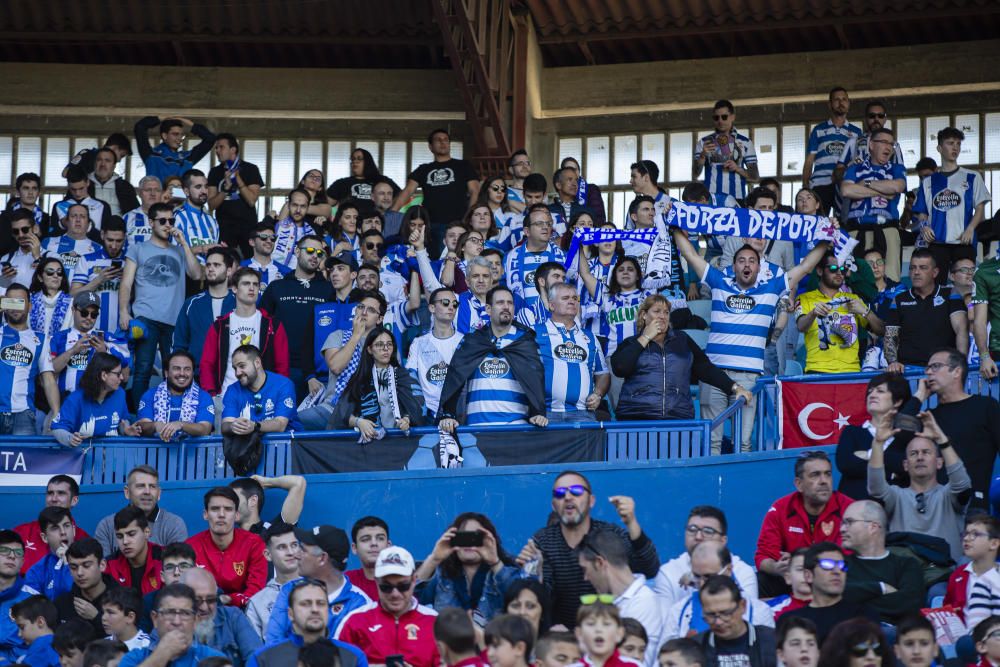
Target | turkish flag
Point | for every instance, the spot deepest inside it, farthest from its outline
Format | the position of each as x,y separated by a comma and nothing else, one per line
814,413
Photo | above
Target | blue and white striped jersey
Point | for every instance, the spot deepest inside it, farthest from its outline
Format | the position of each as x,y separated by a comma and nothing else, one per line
69,251
23,355
874,210
511,232
273,271
856,151
63,340
107,292
471,313
949,202
519,269
495,397
733,146
827,142
618,313
590,307
740,320
138,227
397,321
198,227
571,359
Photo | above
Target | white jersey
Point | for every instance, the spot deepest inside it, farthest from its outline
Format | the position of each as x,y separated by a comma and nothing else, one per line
429,359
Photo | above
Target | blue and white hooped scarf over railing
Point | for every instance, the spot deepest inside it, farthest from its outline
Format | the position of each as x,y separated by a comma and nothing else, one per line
776,225
592,235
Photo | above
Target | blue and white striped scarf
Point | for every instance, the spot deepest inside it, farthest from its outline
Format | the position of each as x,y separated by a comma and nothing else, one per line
38,213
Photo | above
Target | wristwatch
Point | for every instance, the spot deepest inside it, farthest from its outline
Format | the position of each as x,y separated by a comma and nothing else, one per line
256,427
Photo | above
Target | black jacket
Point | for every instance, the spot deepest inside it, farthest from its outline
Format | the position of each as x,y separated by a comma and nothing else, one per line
66,609
409,406
524,363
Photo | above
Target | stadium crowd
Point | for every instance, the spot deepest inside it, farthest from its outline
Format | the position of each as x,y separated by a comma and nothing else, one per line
354,307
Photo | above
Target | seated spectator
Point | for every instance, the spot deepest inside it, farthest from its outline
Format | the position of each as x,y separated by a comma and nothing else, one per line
557,649
682,652
142,490
50,298
74,347
259,401
199,311
798,645
974,588
61,491
251,494
636,640
66,250
85,561
528,598
729,639
825,570
139,561
832,319
380,394
19,263
924,506
70,638
97,408
986,642
508,641
916,641
885,582
799,591
12,590
369,536
704,524
372,627
177,407
49,574
223,628
308,613
120,611
104,653
603,557
262,260
812,513
709,559
233,555
35,616
174,619
467,559
178,558
599,631
887,394
858,641
281,549
455,635
323,557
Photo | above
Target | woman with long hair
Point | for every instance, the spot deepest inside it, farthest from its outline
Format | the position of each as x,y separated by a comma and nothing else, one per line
468,568
493,195
97,407
480,219
529,598
364,174
50,299
319,209
453,274
342,233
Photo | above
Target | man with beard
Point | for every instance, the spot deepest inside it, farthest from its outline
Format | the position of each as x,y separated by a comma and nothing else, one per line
174,619
225,629
176,407
289,230
29,358
826,144
259,400
262,260
201,310
556,544
832,320
199,228
139,562
142,490
501,366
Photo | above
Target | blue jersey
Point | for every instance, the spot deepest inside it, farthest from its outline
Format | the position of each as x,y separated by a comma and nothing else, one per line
138,228
572,359
520,269
205,412
49,576
69,251
733,146
874,210
740,320
107,291
276,398
949,202
495,396
273,271
826,143
23,355
618,312
63,340
198,227
79,414
327,318
511,232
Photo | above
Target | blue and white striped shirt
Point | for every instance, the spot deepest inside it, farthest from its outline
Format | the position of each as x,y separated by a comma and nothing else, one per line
511,232
273,271
827,142
949,201
69,251
618,312
107,292
520,266
23,355
471,313
874,210
734,146
198,227
571,359
63,340
495,397
138,227
740,320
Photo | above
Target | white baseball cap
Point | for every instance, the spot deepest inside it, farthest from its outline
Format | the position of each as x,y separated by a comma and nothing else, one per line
394,560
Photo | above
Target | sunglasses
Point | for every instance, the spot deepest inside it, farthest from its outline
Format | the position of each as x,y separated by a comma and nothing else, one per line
592,598
266,237
21,231
720,116
833,268
829,564
576,490
447,303
319,252
498,188
374,246
164,221
860,650
921,503
90,313
877,115
402,587
53,272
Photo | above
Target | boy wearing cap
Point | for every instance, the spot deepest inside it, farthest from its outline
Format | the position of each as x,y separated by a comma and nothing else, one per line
395,624
323,556
72,348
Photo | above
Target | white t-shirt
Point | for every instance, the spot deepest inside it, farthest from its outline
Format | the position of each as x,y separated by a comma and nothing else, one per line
242,331
429,358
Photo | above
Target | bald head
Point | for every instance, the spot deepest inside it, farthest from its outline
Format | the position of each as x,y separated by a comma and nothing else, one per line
200,580
872,511
710,558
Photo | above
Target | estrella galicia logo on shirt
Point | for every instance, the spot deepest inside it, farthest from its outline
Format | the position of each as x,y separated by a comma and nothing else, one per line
440,177
411,631
740,303
571,352
79,360
494,367
16,355
437,372
946,200
835,148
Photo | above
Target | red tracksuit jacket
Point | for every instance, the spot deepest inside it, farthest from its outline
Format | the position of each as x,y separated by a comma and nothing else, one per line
216,353
119,568
379,634
786,526
240,571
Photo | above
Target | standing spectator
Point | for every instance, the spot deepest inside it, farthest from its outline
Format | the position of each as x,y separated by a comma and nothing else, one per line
727,156
233,555
137,222
174,615
811,514
201,310
566,205
832,319
74,243
369,536
826,145
73,348
262,258
431,354
587,194
29,350
223,628
199,228
85,560
101,272
887,583
555,545
282,551
383,193
107,186
154,272
259,401
871,189
167,158
77,192
522,262
142,490
28,193
140,562
729,640
290,229
924,318
500,367
12,590
117,142
643,177
233,188
317,207
857,148
951,204
745,304
18,265
448,184
361,182
96,409
177,407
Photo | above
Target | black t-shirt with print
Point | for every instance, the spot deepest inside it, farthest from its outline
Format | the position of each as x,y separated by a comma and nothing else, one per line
235,211
445,188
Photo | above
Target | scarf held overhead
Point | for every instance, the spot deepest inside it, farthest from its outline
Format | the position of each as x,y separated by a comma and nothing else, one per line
771,225
592,235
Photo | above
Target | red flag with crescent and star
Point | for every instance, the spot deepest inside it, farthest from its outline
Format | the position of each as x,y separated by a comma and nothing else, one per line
815,413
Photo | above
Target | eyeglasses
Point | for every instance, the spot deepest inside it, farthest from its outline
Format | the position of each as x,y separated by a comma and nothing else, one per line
707,531
720,116
384,345
117,372
367,309
53,272
877,115
11,551
90,313
850,522
937,365
966,270
371,245
860,650
402,587
21,231
266,237
970,534
178,567
475,240
184,614
719,615
208,600
540,223
447,303
309,250
522,163
576,490
164,221
921,503
876,262
498,188
592,598
829,564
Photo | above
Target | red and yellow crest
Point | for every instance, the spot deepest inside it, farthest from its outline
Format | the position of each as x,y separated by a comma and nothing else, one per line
411,630
239,567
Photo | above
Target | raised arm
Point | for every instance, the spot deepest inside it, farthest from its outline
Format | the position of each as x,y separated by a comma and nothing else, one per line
405,194
695,261
808,263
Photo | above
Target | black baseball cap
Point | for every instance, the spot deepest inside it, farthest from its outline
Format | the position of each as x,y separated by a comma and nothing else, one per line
346,258
330,539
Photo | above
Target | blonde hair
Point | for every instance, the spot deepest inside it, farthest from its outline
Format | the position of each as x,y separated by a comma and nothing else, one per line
646,306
